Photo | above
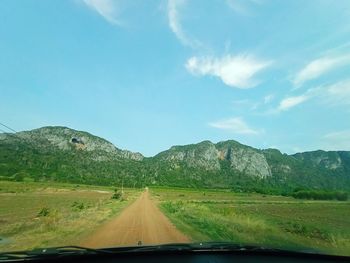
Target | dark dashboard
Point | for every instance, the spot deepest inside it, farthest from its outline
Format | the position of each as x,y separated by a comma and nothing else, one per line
170,256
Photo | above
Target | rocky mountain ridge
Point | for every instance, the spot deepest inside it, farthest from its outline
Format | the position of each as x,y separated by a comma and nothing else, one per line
65,138
208,155
64,154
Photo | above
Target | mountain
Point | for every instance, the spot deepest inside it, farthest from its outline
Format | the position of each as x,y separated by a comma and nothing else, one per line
230,163
63,154
208,156
65,139
332,160
67,155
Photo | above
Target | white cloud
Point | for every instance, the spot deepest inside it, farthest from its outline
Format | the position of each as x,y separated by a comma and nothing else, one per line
291,102
235,71
338,93
237,6
235,125
332,95
245,104
108,9
319,66
241,6
175,25
339,140
268,98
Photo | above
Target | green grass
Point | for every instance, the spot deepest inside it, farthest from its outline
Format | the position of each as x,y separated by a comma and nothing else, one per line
43,215
276,221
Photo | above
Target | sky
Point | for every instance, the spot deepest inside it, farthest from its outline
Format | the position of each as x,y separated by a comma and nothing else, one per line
147,75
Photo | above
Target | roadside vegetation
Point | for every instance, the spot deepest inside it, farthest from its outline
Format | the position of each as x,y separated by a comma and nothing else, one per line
321,195
265,220
40,214
36,215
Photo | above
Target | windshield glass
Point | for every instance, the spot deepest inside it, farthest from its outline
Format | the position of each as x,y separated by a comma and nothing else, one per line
133,123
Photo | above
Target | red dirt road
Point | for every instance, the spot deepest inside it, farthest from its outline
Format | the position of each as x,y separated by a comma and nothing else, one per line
141,221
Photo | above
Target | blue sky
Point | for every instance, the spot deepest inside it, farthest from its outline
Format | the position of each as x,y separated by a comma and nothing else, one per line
147,75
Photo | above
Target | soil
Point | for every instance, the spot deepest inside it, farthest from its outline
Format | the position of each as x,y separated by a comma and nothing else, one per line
140,223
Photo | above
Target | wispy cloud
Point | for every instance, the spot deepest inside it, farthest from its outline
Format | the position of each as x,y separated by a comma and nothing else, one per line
339,140
174,18
338,93
318,67
245,104
252,105
108,9
242,6
235,71
234,125
291,102
268,98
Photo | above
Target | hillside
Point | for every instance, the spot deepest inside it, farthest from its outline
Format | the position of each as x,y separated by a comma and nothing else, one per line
230,163
63,154
67,155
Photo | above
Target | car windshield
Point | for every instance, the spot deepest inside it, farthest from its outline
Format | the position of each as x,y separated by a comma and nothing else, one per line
136,123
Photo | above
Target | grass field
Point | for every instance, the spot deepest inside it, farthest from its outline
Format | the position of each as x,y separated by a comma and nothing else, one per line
44,215
276,221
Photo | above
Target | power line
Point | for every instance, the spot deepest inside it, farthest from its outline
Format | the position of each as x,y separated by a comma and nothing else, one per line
3,131
11,134
7,127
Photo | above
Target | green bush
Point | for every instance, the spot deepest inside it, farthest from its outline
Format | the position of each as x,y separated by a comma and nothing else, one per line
306,230
78,206
320,195
118,195
173,207
44,212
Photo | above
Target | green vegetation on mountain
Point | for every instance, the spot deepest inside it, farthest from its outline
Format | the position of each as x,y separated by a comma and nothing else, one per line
66,155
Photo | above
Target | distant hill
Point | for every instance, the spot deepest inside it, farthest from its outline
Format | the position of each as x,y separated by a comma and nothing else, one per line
66,139
67,155
63,154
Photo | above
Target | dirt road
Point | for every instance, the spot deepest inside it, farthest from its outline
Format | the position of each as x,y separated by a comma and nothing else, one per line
141,221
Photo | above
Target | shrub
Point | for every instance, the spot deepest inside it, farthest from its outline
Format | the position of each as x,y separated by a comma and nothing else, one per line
44,212
307,231
173,207
118,195
320,195
18,177
78,206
